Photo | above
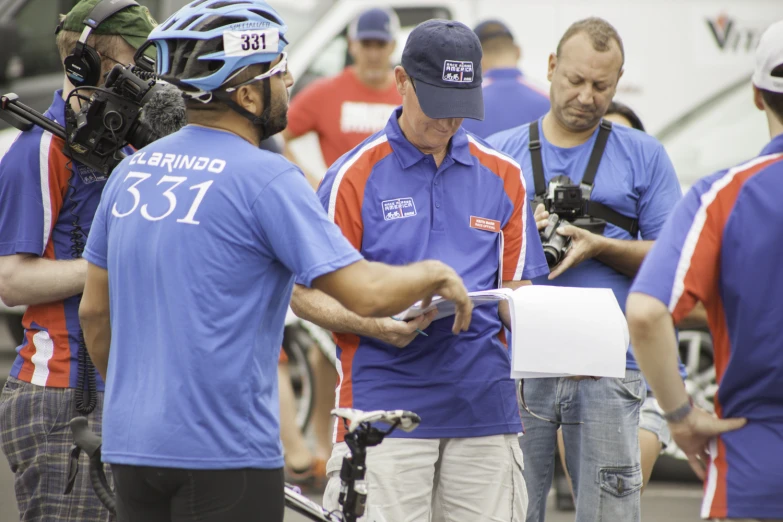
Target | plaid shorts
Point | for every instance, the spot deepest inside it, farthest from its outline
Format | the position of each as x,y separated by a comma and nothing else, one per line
37,440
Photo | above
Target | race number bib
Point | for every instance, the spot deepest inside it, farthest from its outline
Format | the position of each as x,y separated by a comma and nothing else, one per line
243,43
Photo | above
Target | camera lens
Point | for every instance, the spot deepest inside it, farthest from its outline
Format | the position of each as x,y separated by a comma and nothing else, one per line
112,120
552,255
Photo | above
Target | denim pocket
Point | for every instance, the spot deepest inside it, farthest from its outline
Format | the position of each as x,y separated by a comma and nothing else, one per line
620,494
621,482
632,387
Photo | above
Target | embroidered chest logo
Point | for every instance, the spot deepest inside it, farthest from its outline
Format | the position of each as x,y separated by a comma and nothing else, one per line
398,208
88,174
460,72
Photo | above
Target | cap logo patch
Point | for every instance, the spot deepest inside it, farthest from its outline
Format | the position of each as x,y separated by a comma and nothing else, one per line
458,72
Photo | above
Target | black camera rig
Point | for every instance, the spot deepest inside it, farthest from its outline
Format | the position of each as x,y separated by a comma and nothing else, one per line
108,120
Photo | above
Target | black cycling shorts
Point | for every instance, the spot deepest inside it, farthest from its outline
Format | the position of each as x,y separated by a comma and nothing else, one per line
146,494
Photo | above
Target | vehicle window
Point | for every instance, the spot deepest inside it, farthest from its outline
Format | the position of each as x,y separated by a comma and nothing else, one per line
726,131
334,57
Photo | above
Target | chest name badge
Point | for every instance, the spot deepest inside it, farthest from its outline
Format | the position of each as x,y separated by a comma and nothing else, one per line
490,225
398,208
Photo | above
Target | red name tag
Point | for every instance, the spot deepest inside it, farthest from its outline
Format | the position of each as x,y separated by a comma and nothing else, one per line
490,225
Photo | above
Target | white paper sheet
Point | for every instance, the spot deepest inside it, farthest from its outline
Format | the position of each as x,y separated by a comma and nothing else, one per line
561,331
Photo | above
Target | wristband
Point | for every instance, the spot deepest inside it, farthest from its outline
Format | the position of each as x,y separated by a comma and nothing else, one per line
680,413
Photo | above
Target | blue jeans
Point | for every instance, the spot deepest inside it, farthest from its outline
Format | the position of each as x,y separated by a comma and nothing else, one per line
602,454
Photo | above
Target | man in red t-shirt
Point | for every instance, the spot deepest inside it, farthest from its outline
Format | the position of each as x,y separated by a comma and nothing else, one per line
346,109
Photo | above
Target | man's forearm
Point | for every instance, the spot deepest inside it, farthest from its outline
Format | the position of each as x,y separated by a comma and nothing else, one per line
317,307
655,347
97,337
31,280
625,256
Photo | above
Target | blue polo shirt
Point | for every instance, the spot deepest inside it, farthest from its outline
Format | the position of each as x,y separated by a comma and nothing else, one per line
509,101
395,206
635,178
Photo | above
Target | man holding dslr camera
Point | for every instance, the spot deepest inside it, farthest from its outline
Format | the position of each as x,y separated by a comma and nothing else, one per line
633,189
47,202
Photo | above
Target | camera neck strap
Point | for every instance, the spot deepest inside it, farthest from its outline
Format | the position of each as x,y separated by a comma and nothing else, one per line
592,208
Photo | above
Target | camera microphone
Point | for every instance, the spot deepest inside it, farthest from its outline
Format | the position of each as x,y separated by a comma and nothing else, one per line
164,113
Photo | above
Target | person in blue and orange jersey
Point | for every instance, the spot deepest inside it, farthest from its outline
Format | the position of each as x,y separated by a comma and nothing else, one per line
719,247
47,203
424,187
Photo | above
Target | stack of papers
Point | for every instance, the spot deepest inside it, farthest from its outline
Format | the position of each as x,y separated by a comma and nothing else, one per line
556,331
447,308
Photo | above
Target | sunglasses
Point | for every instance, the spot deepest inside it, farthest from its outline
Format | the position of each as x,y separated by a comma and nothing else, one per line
280,68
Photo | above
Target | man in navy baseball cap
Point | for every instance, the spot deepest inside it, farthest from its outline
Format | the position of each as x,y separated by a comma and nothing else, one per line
375,24
443,58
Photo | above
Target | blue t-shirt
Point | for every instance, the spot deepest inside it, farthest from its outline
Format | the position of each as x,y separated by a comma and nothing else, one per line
201,234
509,101
635,178
396,206
719,248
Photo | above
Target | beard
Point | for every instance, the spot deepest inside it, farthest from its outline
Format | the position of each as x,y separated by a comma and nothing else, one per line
277,120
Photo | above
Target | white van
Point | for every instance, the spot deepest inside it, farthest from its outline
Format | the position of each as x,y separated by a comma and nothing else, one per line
679,53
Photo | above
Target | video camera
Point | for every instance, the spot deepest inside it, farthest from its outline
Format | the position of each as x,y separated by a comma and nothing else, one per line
108,120
567,204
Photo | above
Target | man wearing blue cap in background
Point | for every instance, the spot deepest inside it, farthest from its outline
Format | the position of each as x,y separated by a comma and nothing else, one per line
509,99
424,188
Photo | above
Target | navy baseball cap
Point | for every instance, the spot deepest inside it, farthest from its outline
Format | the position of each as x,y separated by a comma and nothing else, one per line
444,59
489,29
375,24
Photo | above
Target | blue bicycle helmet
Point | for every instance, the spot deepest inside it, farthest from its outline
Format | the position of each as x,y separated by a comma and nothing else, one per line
191,44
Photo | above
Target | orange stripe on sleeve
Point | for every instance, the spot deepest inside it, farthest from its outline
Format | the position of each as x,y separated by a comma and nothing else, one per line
514,230
701,269
347,195
348,344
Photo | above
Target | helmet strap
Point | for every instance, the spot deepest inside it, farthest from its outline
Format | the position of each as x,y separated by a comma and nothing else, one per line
260,122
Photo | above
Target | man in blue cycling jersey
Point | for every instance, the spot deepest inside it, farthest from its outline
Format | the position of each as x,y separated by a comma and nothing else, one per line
192,258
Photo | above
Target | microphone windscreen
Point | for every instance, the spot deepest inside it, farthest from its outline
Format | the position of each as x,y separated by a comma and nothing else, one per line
165,110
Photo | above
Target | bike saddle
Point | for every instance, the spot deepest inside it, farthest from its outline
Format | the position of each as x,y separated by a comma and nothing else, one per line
405,420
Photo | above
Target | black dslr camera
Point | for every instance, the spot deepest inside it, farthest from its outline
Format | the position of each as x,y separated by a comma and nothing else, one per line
566,204
110,119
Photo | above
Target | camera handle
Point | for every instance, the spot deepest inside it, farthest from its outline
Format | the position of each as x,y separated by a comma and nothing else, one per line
23,117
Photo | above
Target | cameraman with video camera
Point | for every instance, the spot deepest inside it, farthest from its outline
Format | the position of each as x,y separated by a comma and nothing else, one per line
606,192
47,202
